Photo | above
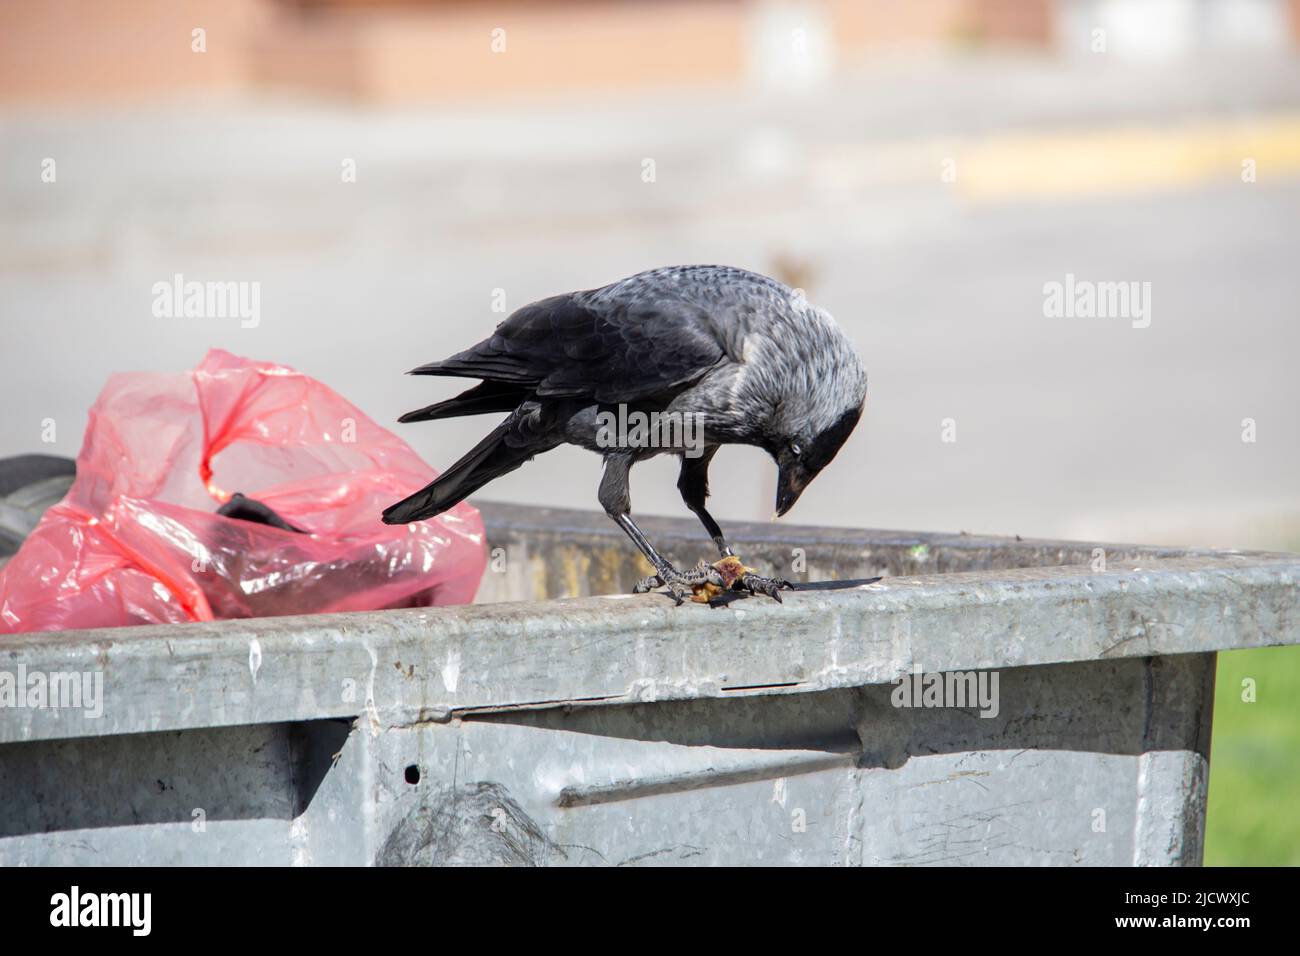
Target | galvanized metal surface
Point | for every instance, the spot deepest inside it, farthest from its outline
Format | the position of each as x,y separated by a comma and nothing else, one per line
621,729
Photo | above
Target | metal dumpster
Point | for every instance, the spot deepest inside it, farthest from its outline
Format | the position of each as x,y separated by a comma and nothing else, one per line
991,701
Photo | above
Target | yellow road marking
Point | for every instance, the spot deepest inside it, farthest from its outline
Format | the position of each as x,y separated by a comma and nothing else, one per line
1075,163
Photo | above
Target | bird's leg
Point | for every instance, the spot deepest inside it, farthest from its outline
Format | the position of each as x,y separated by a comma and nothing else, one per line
747,579
680,584
693,483
617,502
711,526
737,576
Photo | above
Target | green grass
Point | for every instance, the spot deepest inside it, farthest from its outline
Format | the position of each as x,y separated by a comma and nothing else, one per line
1254,807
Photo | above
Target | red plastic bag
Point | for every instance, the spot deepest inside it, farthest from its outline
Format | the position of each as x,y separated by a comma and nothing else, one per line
137,539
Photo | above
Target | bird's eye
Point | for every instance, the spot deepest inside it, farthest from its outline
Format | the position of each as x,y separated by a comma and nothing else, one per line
796,450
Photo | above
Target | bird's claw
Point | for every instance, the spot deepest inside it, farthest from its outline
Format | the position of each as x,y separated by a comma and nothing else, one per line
648,584
737,576
682,584
708,581
757,584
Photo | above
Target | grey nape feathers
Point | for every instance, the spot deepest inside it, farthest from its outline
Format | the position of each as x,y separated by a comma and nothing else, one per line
680,360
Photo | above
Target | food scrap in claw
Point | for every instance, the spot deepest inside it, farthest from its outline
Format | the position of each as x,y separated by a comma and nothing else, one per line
730,569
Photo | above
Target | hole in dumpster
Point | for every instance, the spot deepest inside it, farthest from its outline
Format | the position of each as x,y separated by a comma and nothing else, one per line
412,774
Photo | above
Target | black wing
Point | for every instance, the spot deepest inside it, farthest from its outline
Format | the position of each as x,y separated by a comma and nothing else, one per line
601,345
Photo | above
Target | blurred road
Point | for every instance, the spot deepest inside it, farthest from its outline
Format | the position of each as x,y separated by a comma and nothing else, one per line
925,203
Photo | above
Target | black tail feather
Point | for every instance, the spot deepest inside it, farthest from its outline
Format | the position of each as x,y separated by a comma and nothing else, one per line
489,459
482,399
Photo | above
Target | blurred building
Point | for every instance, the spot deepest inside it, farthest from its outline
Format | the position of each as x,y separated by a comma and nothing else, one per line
395,174
425,50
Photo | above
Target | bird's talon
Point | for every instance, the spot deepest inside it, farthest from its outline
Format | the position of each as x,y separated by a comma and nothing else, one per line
758,584
705,582
679,585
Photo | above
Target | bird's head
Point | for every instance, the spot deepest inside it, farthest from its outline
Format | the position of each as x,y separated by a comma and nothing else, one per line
819,406
801,457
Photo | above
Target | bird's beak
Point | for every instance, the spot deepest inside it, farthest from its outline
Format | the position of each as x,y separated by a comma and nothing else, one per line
790,483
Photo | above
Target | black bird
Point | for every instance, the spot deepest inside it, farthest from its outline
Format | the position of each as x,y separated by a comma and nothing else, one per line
707,355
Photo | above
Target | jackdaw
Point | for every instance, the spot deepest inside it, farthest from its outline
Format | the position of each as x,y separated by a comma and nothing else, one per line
707,355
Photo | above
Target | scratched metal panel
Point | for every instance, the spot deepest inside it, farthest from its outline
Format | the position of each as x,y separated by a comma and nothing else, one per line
1061,775
1096,763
